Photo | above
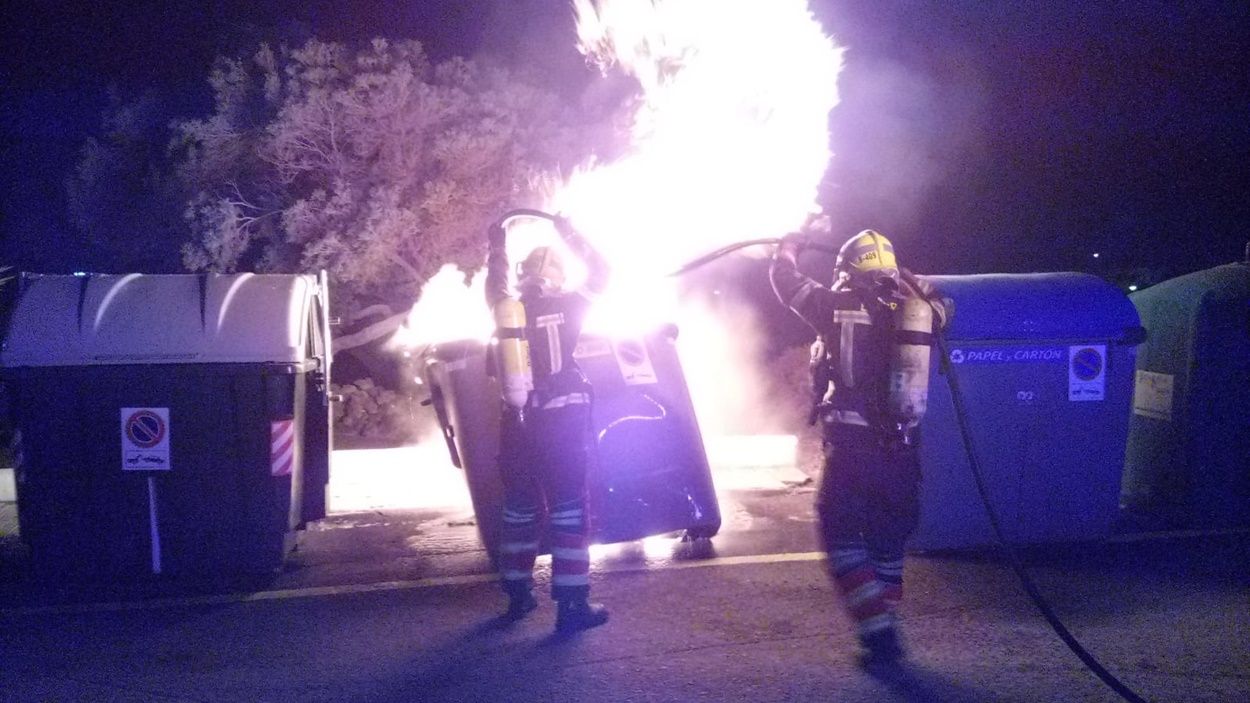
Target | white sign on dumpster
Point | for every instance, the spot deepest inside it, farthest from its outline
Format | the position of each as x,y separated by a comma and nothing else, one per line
1152,395
1087,372
145,439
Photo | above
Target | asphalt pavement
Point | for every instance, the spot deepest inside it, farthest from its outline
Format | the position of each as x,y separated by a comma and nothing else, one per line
399,605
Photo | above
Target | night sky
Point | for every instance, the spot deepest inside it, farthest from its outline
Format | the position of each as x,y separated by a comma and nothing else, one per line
982,137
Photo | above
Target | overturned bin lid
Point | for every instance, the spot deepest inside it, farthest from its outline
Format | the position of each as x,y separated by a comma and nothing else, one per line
94,319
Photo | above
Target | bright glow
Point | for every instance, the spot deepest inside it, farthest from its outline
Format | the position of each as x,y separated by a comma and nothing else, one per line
730,136
651,549
1133,287
764,451
746,462
658,547
727,139
420,476
448,310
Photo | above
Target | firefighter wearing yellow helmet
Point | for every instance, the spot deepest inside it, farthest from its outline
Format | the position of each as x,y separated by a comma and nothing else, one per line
872,327
545,427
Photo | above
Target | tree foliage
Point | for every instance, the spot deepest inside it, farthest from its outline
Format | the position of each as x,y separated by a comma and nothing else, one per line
376,164
124,199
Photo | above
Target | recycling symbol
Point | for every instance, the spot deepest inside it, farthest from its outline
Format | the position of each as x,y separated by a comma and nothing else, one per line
957,356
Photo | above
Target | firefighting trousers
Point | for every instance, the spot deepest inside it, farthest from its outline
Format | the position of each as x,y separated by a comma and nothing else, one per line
869,503
543,462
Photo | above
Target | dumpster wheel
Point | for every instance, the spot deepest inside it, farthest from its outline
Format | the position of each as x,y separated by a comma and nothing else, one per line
695,534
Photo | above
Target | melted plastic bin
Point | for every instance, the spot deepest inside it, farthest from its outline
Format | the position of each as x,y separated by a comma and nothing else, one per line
650,475
1045,365
170,424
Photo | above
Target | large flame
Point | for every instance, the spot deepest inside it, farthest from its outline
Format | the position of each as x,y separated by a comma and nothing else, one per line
729,141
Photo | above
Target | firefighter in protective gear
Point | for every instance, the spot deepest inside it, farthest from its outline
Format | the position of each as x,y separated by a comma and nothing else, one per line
545,445
868,501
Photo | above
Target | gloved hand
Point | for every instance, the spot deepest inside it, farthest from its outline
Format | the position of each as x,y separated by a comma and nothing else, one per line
885,287
886,290
563,227
496,237
792,245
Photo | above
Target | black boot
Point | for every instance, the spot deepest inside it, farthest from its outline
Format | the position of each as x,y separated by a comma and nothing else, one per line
881,648
576,615
519,606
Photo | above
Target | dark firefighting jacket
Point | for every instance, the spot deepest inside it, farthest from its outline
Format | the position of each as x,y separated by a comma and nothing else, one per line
553,324
851,357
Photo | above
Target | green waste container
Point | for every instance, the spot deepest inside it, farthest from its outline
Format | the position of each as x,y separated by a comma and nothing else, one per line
1188,459
168,424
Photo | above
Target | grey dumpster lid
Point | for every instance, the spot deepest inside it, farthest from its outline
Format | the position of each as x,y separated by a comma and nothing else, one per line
1036,306
1228,282
159,319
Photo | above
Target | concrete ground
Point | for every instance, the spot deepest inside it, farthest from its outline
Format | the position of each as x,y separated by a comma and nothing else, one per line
399,605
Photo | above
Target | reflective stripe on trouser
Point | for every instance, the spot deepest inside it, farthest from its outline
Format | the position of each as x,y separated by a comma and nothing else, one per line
570,551
889,568
518,547
863,593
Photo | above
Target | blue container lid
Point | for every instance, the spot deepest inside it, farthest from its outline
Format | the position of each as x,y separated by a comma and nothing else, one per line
1037,306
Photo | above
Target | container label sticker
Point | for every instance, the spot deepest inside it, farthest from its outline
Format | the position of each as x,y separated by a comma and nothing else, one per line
1087,372
1007,356
634,362
1152,395
145,439
591,346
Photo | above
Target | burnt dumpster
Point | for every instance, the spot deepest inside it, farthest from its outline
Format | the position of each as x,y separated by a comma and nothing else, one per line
169,424
1188,459
1044,363
650,475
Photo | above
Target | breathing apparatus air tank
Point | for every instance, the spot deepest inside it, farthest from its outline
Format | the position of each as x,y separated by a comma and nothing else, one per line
516,378
909,361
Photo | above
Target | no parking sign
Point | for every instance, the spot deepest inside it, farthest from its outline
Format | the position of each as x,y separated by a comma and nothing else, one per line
145,439
1087,372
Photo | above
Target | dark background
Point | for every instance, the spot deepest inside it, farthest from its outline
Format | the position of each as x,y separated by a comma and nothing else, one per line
981,137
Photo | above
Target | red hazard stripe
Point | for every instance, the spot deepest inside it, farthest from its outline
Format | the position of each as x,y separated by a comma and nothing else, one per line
517,561
853,580
568,565
571,540
892,594
281,447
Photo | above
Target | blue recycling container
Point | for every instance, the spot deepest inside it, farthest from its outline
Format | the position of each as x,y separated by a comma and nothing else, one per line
172,425
1045,365
1188,461
650,475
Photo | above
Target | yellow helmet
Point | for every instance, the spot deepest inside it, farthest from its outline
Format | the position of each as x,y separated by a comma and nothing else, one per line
543,267
866,256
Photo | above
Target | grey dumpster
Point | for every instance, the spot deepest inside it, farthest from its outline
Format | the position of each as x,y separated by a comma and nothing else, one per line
169,424
651,474
1188,460
1045,365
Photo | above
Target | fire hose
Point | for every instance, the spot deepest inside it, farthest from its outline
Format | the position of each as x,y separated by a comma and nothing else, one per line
1005,548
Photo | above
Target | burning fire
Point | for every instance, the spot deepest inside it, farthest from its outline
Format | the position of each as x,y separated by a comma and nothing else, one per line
730,139
729,142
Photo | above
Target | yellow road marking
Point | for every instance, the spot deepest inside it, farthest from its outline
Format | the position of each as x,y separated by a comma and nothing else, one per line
383,586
